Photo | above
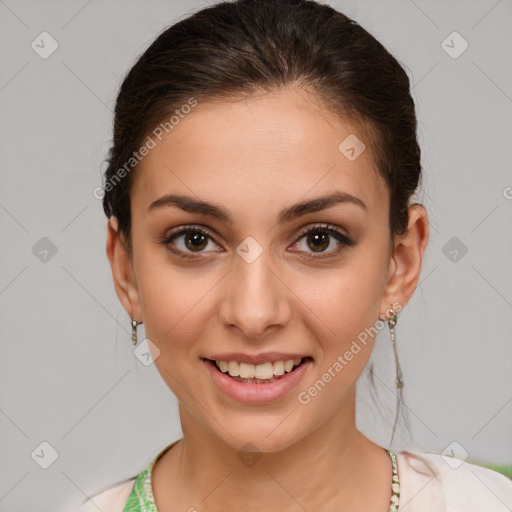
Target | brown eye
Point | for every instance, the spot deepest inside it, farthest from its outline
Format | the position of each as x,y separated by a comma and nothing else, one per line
319,239
195,241
189,240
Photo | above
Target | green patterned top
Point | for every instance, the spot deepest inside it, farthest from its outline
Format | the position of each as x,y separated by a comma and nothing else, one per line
141,498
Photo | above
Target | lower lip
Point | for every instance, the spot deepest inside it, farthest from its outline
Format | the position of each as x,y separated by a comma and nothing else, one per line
257,393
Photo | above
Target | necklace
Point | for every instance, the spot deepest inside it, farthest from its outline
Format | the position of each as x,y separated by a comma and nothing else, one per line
395,485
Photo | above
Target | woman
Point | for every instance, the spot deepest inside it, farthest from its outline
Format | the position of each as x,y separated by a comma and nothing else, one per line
261,226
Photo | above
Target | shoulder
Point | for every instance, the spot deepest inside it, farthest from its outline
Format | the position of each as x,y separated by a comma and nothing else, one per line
128,494
449,483
111,499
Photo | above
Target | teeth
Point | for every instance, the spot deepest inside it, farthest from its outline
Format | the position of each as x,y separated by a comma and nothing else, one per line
288,365
278,368
260,371
246,371
223,365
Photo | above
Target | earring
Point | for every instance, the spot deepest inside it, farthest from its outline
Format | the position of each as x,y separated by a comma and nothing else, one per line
392,322
134,331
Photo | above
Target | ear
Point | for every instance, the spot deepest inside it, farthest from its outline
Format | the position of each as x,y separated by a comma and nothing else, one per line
405,264
122,270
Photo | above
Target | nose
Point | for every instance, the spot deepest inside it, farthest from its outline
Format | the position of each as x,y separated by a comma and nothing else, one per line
255,298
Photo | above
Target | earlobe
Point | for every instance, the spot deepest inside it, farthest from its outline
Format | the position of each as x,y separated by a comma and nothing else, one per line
406,261
122,270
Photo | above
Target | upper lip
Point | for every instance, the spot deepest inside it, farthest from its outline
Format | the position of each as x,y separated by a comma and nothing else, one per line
256,359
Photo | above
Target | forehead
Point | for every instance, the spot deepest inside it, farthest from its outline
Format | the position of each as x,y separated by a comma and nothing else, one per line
274,147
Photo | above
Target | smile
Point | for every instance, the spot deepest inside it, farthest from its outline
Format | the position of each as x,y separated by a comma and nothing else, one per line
260,383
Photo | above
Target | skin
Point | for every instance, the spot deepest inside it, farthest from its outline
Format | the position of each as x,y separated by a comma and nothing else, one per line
256,156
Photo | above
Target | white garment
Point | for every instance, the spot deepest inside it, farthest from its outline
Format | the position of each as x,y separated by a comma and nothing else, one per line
427,484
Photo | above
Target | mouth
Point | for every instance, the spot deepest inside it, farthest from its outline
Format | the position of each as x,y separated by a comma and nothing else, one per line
268,382
262,374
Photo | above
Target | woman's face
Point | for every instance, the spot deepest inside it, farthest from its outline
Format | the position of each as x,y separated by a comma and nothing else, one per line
257,283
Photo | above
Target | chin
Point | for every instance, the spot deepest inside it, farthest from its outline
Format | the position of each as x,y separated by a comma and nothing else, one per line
260,436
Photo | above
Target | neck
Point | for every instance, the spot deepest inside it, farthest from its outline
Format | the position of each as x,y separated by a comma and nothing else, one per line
336,464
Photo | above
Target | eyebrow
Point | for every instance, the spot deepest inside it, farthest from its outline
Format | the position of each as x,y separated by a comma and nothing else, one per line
192,205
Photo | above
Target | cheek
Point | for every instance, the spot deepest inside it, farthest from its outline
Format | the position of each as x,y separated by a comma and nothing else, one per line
342,312
169,299
168,292
344,322
346,299
176,312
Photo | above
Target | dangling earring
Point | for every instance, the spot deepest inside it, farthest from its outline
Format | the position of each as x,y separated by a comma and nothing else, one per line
392,322
134,331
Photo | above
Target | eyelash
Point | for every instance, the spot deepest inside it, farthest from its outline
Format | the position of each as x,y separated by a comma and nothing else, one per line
321,228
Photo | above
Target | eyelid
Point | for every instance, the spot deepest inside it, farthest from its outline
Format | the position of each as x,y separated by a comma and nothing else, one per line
189,227
319,227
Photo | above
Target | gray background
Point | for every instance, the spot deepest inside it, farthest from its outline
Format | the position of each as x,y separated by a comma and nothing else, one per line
68,375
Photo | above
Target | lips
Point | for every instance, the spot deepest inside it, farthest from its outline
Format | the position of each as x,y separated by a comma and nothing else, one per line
255,391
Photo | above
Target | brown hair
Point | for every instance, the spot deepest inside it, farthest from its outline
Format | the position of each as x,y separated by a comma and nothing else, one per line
243,47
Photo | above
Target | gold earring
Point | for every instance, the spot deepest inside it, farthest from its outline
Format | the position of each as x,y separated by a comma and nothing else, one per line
134,331
392,322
